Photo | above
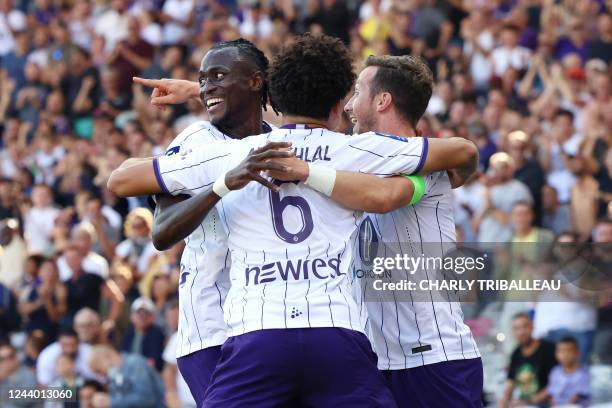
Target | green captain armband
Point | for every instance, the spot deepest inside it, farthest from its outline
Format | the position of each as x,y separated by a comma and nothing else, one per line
419,188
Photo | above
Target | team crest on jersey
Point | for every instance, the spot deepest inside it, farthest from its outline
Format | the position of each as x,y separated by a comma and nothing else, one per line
184,276
173,150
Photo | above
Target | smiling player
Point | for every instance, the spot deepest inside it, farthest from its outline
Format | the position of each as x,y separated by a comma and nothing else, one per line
424,348
233,89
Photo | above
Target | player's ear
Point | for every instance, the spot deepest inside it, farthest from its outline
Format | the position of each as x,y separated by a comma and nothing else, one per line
257,81
383,101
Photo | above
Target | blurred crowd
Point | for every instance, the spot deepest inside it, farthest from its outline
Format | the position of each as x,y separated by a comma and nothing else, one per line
528,81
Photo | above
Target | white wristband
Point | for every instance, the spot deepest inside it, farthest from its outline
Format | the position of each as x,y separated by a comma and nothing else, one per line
219,188
321,179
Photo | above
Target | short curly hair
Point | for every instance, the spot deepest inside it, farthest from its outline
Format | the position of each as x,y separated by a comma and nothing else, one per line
409,81
310,76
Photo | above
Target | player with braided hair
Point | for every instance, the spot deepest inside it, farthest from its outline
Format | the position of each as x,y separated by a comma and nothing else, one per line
233,89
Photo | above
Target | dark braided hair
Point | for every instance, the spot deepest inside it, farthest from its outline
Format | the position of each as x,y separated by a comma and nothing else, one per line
248,50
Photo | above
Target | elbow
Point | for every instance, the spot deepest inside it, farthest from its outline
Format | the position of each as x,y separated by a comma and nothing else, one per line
381,204
469,154
161,240
118,183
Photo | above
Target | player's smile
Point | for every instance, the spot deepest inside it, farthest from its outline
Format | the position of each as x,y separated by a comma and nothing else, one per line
214,105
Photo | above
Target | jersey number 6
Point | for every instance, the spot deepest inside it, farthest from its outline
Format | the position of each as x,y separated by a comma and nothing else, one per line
279,205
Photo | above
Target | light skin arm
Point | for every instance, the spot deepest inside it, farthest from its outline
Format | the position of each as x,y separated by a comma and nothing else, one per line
368,193
364,192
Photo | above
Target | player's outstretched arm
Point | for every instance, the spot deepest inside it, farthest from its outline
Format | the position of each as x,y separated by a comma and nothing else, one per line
169,91
357,191
135,177
199,169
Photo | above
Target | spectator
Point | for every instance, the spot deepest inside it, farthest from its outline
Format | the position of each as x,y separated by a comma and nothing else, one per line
555,217
9,318
107,225
44,302
143,336
131,381
13,375
161,294
601,46
176,16
112,25
575,299
83,238
528,169
500,195
569,382
509,55
68,377
574,41
68,344
12,254
177,392
88,327
8,205
131,56
334,18
87,392
138,250
87,289
35,343
39,220
602,239
522,217
559,151
530,366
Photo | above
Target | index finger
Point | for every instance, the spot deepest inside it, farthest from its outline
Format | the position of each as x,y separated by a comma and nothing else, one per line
151,83
272,146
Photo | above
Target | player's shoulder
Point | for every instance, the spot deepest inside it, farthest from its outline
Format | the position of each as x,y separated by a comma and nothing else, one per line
194,134
380,137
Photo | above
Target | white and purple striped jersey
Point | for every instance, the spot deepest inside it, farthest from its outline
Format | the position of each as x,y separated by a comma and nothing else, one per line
291,251
204,272
405,332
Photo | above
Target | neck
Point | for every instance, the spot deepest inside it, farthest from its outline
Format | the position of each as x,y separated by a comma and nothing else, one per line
304,120
531,343
524,232
249,126
570,367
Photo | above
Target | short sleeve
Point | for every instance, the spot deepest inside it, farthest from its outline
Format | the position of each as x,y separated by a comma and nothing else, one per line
198,168
382,155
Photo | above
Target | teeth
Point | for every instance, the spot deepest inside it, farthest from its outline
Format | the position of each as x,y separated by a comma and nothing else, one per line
354,120
213,101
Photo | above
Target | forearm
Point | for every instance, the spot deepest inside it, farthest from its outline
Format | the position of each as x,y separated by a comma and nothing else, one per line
365,192
135,176
177,217
455,153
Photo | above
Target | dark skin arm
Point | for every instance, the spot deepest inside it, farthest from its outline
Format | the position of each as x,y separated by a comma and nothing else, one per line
176,217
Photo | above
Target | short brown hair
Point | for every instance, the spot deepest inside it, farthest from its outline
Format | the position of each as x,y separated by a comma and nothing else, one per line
409,81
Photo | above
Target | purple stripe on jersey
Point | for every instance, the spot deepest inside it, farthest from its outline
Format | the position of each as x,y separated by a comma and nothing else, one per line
423,156
158,176
296,126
